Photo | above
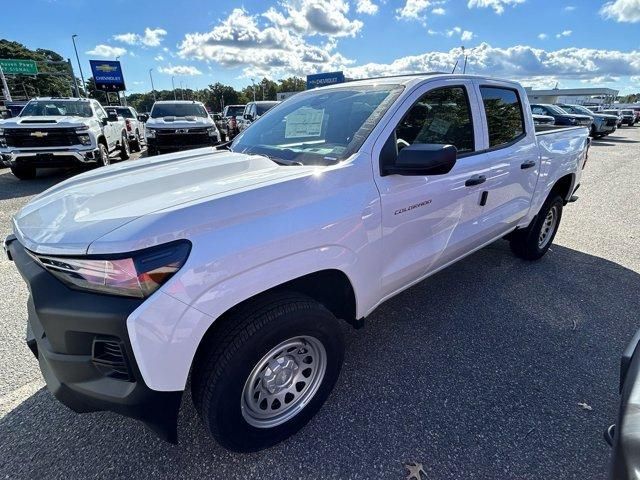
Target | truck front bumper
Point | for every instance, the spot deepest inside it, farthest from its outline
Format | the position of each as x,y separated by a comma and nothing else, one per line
48,158
82,345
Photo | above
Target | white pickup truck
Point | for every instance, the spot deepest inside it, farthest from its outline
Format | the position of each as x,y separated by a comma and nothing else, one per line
233,267
55,132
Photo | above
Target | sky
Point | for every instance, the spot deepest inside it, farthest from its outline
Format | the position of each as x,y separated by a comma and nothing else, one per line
542,43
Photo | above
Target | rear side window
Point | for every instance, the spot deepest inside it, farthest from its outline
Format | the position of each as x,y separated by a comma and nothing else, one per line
505,119
441,116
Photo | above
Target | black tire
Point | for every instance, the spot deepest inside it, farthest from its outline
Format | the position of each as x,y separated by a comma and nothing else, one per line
526,243
136,144
151,152
224,365
594,132
24,172
125,149
103,156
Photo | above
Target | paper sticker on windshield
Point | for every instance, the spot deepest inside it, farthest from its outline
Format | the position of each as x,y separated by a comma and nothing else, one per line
305,122
439,126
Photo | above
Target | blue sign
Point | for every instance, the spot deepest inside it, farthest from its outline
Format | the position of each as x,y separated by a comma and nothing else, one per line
323,79
107,75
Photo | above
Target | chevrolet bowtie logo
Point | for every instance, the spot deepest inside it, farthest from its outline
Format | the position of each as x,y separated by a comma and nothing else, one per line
106,68
39,134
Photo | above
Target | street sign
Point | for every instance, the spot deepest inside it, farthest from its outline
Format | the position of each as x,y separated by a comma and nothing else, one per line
18,67
322,79
107,75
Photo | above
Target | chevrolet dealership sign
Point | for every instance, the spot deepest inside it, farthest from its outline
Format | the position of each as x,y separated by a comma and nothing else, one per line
107,75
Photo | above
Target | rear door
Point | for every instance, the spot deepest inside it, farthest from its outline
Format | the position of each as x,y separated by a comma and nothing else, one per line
511,155
428,221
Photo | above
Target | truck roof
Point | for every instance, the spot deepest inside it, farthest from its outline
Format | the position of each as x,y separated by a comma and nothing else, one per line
416,78
164,102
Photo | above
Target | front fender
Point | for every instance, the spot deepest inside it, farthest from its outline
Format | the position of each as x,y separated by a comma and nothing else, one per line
166,330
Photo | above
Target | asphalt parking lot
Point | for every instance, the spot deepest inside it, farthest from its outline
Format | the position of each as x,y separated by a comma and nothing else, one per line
477,372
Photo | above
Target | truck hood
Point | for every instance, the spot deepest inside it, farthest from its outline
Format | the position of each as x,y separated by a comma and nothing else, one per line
68,217
179,122
45,122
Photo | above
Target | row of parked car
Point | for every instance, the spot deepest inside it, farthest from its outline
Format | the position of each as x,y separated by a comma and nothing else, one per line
235,118
600,121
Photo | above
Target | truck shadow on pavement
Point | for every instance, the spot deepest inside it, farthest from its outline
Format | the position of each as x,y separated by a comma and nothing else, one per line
476,372
11,187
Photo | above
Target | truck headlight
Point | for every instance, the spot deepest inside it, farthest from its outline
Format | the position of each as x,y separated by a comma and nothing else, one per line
82,128
212,132
84,139
137,275
150,133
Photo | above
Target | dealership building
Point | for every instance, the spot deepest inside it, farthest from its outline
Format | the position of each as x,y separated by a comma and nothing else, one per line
579,96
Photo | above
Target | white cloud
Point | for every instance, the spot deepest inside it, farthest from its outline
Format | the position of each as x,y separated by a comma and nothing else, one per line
543,36
497,5
311,17
413,9
600,79
366,6
239,41
521,62
622,10
107,51
564,33
569,8
158,58
438,11
152,37
180,70
466,36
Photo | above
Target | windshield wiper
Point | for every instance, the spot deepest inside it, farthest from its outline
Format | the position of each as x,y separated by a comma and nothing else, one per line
279,161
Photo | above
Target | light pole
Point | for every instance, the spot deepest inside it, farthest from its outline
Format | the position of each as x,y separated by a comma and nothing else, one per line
73,39
174,88
153,89
181,90
254,89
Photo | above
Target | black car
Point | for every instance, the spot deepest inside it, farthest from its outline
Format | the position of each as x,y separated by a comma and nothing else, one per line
624,436
561,116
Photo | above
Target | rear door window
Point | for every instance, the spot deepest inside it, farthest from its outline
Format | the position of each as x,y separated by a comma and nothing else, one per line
505,119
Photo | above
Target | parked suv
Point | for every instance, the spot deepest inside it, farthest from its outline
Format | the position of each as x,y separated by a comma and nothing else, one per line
602,124
61,132
179,125
615,113
232,271
135,128
628,117
254,110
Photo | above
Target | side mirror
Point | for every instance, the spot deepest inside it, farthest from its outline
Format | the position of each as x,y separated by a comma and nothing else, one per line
143,117
422,159
112,116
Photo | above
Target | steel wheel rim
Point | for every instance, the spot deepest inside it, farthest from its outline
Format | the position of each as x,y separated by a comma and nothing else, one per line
105,156
548,227
283,382
125,144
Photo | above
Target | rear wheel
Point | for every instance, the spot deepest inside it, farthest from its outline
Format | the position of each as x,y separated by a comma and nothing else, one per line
268,370
125,151
136,144
532,243
24,173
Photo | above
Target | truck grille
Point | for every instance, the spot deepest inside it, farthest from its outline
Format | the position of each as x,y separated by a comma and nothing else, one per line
44,137
183,137
611,122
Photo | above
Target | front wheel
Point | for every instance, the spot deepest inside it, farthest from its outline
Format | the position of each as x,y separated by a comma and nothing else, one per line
103,155
24,173
532,243
267,371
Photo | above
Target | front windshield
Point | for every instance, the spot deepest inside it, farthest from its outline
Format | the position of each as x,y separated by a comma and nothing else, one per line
262,108
579,109
123,112
555,109
235,111
160,110
320,127
56,108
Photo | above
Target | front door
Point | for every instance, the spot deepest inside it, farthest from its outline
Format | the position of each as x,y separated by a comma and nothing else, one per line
428,221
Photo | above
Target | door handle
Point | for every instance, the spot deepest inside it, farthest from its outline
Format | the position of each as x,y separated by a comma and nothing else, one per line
475,180
528,164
